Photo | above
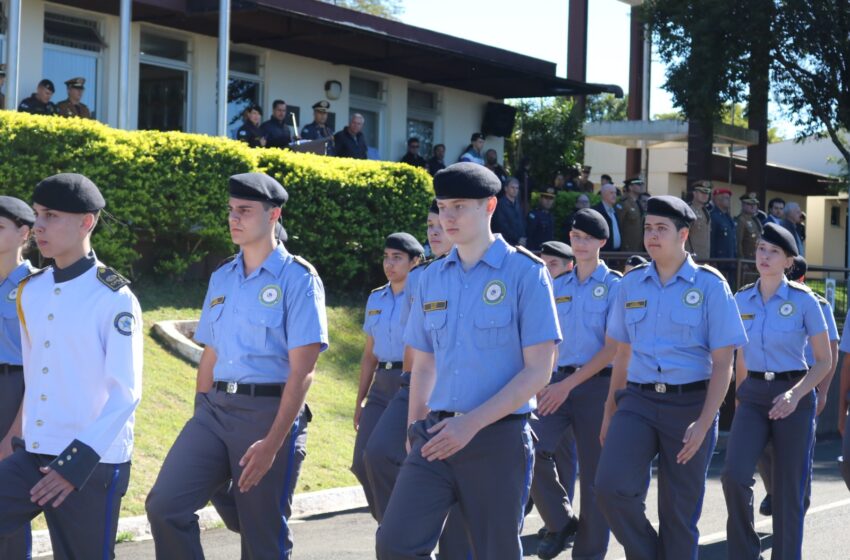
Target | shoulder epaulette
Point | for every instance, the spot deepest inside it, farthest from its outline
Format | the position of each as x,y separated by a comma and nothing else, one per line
111,279
432,261
822,300
615,272
798,286
639,267
379,288
522,250
303,262
33,273
712,270
224,262
747,287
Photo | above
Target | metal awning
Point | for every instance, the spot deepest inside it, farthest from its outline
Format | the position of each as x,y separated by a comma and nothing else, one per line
663,134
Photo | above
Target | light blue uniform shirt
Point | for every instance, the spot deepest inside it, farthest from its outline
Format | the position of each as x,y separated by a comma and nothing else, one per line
10,329
410,288
831,328
253,322
778,329
673,328
583,311
477,322
844,345
383,323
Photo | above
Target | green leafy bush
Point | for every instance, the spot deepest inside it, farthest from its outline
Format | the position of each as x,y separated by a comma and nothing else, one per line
168,194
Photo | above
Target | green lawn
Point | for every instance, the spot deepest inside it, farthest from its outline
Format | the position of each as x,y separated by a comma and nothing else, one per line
169,385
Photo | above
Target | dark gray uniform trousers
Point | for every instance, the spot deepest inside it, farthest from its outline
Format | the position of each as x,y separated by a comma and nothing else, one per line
19,545
647,424
205,457
489,478
385,385
384,454
566,462
792,444
765,468
84,526
583,410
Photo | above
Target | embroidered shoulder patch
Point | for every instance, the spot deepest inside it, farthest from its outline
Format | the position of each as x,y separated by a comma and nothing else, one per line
125,323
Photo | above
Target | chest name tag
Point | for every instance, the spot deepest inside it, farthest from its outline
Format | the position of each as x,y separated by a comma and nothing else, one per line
636,304
748,316
217,301
564,299
435,306
373,312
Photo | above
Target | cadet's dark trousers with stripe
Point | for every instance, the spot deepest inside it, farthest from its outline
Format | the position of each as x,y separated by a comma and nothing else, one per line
384,454
792,445
206,456
647,424
583,410
385,385
84,525
19,545
489,479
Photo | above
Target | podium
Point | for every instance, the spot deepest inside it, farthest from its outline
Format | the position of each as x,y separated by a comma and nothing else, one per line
310,146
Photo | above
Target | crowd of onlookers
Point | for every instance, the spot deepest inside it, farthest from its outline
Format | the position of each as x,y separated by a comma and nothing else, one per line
40,102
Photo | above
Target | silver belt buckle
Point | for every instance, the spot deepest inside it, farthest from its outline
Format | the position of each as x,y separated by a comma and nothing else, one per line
388,365
231,387
769,376
660,388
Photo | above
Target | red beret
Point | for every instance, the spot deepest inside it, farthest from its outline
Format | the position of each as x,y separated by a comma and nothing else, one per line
719,190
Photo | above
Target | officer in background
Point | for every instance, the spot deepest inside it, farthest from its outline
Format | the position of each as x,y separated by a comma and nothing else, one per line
263,325
278,133
723,236
576,394
39,102
2,82
677,326
250,132
484,329
81,341
630,217
72,106
319,129
748,227
16,221
699,237
540,225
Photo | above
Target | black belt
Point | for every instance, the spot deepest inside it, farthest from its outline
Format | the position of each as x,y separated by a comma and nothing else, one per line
604,372
668,388
390,365
252,389
780,375
443,414
9,368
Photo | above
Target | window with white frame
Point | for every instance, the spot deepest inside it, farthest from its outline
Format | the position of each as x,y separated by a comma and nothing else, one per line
164,79
422,118
367,98
72,49
244,88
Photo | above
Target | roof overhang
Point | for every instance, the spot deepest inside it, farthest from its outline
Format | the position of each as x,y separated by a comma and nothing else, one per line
663,134
322,31
777,177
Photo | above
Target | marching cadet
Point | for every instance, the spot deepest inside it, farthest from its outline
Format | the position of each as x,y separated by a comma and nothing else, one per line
843,397
633,262
576,394
319,129
263,326
630,217
16,221
483,329
540,223
776,397
748,227
699,236
81,344
382,362
677,326
39,102
72,106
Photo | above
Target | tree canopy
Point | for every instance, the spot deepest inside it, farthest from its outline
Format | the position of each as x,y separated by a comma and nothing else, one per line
389,9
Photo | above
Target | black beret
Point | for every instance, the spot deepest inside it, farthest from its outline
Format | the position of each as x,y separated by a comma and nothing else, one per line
69,192
16,210
466,180
434,209
557,249
404,242
671,207
257,186
592,223
635,260
781,237
798,269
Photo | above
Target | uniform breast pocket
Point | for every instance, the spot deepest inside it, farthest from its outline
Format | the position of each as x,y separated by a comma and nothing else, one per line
371,323
435,324
263,327
635,323
215,322
492,327
594,312
685,323
787,330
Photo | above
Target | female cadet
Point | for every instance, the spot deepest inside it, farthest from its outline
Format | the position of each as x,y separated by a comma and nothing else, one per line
16,221
777,399
381,365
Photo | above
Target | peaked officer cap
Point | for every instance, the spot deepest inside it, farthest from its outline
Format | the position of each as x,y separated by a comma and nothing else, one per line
257,186
69,192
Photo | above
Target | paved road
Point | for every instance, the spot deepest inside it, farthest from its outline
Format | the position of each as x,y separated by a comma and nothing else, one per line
350,535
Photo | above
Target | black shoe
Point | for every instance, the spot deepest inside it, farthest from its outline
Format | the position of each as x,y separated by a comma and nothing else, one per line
766,507
552,544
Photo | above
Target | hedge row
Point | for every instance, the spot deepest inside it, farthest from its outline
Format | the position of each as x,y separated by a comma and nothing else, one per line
168,194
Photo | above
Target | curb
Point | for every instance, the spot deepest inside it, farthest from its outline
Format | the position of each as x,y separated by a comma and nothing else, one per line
303,505
170,335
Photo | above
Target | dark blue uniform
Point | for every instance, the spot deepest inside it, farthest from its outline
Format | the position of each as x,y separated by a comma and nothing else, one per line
723,235
540,228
